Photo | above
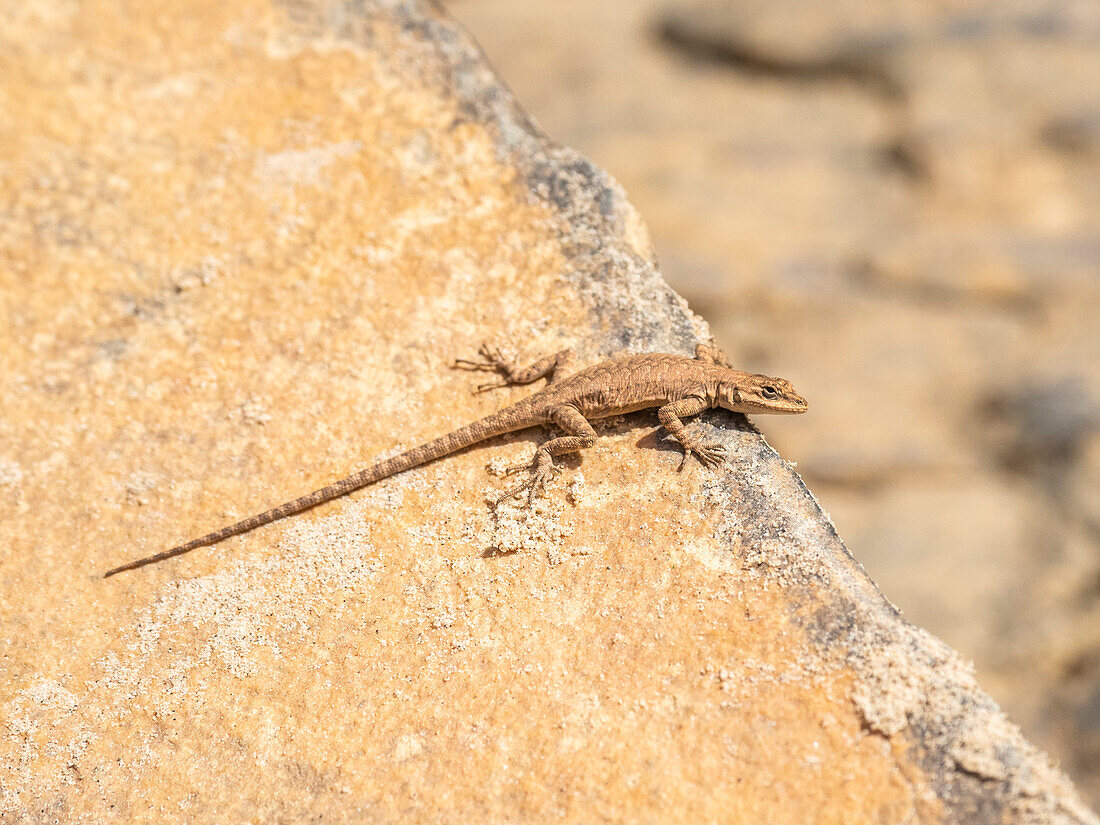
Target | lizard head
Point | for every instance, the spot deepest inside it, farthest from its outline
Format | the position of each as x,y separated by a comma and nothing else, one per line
760,394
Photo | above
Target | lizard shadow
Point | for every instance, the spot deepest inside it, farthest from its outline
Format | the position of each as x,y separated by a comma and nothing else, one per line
712,423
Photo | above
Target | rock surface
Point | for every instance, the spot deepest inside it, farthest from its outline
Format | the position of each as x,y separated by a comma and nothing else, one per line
239,246
895,205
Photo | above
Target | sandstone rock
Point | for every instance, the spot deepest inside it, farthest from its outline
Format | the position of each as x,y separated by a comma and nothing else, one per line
904,257
239,246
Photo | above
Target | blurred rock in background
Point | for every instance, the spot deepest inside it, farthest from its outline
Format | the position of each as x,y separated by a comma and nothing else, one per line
897,206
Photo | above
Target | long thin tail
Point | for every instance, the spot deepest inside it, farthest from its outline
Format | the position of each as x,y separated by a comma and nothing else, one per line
507,420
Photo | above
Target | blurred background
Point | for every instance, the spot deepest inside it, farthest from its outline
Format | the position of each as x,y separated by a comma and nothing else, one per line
896,205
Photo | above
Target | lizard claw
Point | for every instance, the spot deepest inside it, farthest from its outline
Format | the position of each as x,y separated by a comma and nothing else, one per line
512,469
709,454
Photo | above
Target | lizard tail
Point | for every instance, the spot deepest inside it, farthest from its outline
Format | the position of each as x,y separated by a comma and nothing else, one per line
507,420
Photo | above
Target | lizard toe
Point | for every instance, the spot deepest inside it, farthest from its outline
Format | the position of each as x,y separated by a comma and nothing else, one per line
684,459
472,366
711,454
491,354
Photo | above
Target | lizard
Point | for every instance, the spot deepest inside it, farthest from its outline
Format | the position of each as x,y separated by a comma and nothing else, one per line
679,386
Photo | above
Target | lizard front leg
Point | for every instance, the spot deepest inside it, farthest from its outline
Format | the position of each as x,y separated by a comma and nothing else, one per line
579,436
709,453
552,368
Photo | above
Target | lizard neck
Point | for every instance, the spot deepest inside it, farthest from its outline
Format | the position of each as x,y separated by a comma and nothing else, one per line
712,380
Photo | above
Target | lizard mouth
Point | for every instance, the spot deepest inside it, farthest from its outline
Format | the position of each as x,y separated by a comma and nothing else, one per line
779,407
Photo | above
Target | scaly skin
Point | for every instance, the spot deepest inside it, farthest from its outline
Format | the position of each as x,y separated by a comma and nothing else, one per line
676,385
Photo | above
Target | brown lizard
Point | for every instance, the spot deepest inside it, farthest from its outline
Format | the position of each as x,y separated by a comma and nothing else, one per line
677,385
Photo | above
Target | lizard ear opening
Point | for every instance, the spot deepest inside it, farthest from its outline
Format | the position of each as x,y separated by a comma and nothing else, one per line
729,397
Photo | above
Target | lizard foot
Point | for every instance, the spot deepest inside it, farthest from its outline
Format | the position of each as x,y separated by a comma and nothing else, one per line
541,470
710,454
493,361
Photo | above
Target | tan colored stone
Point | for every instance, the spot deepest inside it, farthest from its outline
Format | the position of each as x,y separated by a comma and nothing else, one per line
239,246
894,204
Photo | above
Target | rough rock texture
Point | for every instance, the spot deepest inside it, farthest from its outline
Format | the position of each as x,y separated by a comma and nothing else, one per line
895,204
239,245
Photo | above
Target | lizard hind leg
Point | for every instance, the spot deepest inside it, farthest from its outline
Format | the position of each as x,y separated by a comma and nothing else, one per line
552,368
579,436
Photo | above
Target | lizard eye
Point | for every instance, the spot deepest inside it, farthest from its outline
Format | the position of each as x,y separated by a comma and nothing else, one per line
769,392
